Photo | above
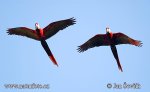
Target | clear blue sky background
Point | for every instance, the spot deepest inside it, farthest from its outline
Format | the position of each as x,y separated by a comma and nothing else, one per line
24,61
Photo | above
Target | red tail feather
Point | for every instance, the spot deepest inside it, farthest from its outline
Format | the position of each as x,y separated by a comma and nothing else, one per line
53,60
48,51
119,65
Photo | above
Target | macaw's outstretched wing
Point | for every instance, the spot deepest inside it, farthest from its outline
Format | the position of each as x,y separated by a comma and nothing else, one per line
23,31
54,27
120,38
98,40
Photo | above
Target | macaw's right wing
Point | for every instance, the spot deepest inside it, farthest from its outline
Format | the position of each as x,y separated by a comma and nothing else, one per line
97,40
23,31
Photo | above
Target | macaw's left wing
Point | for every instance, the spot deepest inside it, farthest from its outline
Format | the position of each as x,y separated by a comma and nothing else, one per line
54,27
120,38
23,31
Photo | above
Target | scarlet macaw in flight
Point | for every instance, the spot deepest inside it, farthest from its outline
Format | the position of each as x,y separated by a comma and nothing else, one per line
41,35
109,39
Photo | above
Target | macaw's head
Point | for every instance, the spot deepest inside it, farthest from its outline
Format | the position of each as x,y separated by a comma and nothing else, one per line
37,26
108,31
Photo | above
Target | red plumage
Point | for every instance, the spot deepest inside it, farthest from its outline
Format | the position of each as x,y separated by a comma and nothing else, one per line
43,34
109,39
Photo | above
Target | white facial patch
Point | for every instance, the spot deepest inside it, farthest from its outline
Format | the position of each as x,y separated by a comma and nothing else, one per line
37,26
108,30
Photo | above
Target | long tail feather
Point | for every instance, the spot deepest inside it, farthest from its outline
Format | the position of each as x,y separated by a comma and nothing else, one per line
48,51
114,51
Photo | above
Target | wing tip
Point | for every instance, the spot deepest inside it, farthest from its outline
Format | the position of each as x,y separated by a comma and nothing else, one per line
79,49
73,20
8,31
138,43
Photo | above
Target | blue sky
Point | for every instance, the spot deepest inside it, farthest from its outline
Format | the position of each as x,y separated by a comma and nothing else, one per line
24,61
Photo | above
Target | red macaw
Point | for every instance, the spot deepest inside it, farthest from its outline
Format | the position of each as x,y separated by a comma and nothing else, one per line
41,35
109,39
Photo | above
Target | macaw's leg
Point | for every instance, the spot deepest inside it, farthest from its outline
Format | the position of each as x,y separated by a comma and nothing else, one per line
114,51
48,51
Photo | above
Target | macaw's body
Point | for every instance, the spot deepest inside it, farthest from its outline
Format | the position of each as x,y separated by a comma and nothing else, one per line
41,35
109,39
